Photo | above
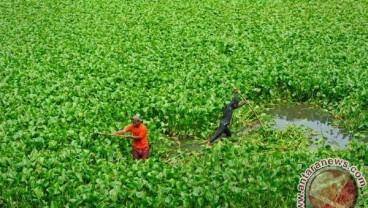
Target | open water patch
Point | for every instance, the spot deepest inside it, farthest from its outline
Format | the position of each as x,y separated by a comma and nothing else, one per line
317,119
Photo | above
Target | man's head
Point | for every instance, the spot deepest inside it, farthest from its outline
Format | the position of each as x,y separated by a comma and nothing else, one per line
136,120
235,101
234,104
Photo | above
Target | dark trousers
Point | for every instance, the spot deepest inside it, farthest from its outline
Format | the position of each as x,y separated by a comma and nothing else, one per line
140,153
221,129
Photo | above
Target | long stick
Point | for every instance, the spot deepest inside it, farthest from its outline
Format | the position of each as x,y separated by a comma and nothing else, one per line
98,133
254,112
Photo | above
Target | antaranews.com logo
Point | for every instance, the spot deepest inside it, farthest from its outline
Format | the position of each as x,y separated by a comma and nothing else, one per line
330,183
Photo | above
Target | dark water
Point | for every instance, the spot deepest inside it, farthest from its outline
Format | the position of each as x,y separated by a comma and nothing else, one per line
189,144
316,119
310,117
183,145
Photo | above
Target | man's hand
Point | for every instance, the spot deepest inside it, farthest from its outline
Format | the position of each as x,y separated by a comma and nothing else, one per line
236,90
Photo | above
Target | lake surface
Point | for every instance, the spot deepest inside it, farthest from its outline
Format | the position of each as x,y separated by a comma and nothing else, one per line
319,120
316,119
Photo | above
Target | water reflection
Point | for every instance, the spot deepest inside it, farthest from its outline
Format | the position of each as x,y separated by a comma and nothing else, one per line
314,118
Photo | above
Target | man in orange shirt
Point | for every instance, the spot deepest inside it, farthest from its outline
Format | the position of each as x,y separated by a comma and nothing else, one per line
139,135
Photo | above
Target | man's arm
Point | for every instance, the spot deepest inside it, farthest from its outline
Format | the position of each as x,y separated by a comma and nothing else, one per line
141,135
135,137
121,132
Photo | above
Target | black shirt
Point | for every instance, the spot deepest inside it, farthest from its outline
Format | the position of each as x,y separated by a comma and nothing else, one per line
228,111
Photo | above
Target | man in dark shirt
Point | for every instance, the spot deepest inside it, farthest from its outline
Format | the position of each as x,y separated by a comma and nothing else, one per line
226,118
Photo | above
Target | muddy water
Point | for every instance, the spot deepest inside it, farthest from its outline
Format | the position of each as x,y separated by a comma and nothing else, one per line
189,145
310,117
318,120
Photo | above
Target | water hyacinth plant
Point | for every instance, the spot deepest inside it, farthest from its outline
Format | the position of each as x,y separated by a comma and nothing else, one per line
69,69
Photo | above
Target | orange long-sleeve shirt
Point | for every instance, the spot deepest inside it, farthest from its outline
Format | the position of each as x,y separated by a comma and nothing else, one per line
140,131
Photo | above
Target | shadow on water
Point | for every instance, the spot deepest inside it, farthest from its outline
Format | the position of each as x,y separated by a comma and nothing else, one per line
311,117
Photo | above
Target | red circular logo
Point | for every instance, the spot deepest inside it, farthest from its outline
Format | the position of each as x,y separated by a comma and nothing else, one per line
331,188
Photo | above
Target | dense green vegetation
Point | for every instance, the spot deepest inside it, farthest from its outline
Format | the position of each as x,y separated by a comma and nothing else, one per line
70,68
